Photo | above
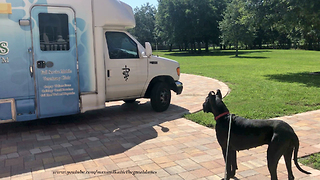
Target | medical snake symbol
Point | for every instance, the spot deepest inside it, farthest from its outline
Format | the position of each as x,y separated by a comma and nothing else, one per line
125,72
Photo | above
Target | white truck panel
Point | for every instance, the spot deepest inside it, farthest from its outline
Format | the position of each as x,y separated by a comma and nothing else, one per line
119,14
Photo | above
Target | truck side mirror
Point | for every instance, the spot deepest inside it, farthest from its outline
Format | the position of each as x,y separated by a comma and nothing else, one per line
148,49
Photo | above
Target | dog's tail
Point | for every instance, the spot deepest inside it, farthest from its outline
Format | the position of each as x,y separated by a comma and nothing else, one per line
295,156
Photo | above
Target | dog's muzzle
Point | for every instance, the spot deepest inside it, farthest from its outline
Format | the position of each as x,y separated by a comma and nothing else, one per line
205,107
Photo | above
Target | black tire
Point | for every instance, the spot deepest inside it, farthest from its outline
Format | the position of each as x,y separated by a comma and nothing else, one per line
130,101
160,97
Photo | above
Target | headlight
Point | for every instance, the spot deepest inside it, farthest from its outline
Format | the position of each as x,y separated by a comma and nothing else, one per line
178,71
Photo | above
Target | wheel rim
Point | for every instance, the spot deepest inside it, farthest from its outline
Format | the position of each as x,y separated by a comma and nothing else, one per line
164,97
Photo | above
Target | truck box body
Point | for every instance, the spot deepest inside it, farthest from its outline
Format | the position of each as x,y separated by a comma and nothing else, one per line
54,58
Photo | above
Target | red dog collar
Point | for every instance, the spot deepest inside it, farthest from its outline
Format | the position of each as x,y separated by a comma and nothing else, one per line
223,114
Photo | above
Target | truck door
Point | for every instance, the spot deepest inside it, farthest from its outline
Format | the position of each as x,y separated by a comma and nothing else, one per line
55,61
127,72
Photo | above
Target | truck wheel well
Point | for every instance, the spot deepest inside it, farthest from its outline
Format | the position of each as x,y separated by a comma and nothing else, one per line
166,79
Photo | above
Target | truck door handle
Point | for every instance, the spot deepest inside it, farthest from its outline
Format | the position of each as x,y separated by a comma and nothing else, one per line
153,62
108,73
31,71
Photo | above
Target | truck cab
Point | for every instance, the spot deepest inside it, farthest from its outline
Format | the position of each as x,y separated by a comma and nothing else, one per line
133,72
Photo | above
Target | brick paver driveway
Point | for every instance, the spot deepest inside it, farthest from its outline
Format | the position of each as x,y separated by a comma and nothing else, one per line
130,141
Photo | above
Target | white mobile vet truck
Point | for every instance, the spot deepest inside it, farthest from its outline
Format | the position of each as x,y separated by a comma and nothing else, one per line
62,57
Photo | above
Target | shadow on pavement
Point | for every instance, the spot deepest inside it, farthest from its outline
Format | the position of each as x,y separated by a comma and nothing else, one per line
46,143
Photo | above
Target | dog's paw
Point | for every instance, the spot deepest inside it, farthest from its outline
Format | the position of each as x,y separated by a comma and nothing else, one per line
228,178
232,174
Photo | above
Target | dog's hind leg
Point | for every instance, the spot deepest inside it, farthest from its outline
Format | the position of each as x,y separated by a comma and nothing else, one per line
274,153
288,158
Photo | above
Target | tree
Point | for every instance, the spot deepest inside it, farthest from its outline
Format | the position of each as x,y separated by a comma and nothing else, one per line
307,19
186,23
145,24
164,28
236,25
189,21
296,19
204,20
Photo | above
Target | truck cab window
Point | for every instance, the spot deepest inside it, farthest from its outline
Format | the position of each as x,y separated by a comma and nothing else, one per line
54,32
121,46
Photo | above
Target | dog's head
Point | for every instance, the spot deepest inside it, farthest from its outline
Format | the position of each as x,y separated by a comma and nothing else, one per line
214,104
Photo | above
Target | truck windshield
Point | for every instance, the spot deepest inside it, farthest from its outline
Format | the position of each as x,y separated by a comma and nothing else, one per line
121,46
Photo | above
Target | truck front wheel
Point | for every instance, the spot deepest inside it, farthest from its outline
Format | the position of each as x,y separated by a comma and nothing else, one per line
160,97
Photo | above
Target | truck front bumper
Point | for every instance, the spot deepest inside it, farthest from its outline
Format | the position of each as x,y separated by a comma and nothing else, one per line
179,87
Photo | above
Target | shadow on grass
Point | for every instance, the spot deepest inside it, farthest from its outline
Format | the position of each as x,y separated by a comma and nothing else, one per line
219,53
250,57
310,79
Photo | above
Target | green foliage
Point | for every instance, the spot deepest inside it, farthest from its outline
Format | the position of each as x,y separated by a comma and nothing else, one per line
296,19
313,161
189,21
236,25
253,23
145,24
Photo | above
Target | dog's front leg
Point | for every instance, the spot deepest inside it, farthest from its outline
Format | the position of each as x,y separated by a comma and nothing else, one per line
231,165
233,158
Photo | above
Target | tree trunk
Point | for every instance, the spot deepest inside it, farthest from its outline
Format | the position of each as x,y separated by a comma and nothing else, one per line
207,46
199,47
237,49
194,48
170,47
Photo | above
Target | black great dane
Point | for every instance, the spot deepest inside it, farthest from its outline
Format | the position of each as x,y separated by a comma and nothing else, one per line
246,134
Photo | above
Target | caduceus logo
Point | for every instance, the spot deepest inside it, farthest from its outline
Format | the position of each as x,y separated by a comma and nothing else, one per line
4,50
125,72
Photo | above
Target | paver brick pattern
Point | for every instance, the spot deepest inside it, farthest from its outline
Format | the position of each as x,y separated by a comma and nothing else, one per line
131,141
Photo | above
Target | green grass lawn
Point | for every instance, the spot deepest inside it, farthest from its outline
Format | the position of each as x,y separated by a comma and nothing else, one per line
264,83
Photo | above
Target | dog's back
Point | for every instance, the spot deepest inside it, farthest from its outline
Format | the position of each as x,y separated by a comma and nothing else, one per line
247,133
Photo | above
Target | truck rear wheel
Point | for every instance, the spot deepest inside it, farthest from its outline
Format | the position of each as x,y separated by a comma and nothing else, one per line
160,97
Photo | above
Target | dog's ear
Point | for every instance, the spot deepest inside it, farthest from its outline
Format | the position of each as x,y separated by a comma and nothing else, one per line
212,93
219,94
211,96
